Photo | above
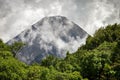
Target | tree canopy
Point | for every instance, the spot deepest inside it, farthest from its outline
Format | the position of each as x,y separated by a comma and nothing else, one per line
98,59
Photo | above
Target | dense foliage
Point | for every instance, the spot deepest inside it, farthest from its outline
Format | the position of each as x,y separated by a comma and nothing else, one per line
98,59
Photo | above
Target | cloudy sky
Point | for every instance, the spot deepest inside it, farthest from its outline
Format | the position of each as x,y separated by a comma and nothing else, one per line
17,15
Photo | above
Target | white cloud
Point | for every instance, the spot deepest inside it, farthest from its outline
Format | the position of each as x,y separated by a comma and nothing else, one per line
17,15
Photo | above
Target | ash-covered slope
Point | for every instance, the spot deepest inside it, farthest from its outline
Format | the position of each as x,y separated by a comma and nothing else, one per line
52,35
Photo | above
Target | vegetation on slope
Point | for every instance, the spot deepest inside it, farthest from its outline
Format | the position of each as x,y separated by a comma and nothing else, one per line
98,59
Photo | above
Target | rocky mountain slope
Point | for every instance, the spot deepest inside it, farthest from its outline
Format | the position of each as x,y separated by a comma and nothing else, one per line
53,35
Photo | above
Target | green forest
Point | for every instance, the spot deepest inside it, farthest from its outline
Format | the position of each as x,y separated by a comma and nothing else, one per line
98,59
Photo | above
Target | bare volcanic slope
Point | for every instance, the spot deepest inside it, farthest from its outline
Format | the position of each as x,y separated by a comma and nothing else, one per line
53,35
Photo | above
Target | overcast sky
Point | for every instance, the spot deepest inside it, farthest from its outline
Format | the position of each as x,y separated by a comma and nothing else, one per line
17,15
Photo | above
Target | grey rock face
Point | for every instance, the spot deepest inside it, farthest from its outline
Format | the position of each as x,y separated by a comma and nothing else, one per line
53,35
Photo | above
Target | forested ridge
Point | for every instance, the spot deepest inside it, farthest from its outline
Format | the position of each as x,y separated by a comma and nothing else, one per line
98,59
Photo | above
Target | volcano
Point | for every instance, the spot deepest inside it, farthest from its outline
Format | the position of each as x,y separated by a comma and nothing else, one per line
54,35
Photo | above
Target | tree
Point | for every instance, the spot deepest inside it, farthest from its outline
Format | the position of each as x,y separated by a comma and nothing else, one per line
10,68
93,63
15,47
